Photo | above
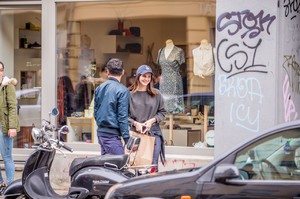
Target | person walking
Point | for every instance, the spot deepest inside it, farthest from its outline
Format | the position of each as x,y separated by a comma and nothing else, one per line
146,110
111,110
9,125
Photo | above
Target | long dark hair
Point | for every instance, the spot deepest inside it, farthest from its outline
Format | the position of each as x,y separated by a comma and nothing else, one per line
1,63
150,87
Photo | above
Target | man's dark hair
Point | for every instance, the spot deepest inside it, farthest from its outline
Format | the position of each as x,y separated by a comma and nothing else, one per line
115,66
1,63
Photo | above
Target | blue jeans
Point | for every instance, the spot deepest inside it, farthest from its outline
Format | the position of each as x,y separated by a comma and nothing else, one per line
157,150
6,144
111,145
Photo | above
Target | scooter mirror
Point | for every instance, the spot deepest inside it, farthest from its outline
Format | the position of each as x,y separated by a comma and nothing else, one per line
54,112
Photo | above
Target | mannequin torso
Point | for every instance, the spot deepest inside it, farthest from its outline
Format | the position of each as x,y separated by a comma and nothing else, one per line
169,47
203,59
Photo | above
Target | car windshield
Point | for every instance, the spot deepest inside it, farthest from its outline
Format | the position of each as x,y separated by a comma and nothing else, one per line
274,157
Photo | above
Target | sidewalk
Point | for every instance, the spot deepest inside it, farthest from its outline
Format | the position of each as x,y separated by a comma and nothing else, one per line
176,157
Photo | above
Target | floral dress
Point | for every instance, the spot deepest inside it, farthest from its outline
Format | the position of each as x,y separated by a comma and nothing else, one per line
170,84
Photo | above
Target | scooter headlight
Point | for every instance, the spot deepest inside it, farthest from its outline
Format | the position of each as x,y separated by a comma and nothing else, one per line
36,134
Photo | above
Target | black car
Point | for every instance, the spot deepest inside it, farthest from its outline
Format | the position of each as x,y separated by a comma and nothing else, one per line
267,166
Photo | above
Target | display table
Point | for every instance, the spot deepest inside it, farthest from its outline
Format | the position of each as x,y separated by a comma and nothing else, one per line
183,137
82,129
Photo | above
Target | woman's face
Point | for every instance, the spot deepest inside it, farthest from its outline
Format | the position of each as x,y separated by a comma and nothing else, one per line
145,79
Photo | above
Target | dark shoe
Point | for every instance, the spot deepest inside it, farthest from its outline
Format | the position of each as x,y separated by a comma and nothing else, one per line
34,45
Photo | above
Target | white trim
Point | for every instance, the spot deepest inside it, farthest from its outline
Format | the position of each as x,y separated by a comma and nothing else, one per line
20,3
49,79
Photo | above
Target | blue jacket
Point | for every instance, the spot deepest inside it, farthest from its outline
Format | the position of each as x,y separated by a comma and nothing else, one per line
111,108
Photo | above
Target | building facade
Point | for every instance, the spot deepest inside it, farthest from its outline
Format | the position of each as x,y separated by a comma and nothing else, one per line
239,75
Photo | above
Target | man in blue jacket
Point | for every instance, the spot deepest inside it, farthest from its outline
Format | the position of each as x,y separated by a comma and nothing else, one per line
111,110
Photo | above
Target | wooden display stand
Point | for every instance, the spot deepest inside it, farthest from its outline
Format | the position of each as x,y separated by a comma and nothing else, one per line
183,137
205,113
205,125
80,122
171,124
24,138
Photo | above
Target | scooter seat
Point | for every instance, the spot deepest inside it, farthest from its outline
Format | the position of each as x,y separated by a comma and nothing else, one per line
78,163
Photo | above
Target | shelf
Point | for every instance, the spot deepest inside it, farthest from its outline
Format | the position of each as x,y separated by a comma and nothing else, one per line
121,44
28,49
31,36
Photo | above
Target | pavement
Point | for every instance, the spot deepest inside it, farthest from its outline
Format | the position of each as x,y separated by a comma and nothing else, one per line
176,158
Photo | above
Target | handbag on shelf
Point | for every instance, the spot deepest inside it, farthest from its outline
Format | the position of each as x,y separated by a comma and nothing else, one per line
144,154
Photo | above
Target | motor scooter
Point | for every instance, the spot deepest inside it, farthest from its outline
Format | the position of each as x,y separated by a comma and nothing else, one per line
90,177
35,181
98,174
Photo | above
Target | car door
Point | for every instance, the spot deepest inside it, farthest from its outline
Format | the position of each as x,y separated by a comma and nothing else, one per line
266,168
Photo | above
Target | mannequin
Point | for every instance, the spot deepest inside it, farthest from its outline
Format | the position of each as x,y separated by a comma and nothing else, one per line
203,59
169,47
171,58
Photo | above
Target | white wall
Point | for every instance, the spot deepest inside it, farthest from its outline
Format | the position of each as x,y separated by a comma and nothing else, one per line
246,70
288,93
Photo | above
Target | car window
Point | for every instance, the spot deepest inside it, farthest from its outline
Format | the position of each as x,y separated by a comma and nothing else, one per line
276,157
29,101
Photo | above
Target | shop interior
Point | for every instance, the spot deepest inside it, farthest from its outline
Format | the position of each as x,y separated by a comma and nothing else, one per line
89,34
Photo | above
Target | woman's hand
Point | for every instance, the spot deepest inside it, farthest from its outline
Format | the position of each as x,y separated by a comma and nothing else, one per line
139,127
148,124
12,133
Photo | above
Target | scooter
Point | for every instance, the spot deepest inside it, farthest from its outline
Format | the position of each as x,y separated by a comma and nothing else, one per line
35,181
98,174
90,177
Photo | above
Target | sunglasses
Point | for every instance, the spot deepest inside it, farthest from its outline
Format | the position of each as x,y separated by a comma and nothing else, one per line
1,69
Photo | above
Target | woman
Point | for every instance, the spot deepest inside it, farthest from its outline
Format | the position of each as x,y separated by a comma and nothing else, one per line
146,109
9,124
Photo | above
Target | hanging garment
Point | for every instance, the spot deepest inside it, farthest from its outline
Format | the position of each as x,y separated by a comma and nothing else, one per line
203,60
170,84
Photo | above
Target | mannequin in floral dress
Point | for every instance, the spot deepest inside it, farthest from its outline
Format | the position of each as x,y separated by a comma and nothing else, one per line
170,58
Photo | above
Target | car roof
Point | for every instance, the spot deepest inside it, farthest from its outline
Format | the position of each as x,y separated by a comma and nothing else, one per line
19,93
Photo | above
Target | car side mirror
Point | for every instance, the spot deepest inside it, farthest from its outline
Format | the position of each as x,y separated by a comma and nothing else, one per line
224,172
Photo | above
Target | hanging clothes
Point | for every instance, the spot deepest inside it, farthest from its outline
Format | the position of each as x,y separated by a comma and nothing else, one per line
65,99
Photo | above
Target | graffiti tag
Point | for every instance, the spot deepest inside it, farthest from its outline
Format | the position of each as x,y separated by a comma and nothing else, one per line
290,113
291,8
239,58
236,21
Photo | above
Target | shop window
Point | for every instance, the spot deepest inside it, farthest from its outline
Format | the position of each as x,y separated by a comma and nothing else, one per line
137,32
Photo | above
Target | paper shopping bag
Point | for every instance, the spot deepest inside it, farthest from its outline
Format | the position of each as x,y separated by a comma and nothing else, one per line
144,154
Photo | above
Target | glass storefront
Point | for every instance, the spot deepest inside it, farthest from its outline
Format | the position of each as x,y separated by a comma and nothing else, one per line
90,33
21,53
86,35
